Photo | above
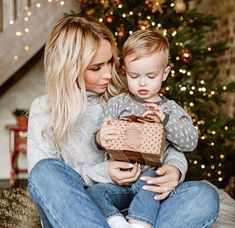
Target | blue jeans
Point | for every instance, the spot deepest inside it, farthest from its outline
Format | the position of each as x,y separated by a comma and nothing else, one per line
111,198
62,201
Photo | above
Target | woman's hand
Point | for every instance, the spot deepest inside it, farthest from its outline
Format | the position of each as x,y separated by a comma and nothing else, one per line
167,180
123,173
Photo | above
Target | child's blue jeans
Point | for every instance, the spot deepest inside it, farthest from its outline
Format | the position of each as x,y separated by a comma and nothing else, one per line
111,198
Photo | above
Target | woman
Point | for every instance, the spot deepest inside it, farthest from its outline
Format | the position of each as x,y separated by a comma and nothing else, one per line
80,61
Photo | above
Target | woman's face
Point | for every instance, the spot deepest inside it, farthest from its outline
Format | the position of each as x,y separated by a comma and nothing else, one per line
98,74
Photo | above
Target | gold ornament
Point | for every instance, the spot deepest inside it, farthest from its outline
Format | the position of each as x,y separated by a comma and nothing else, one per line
154,5
143,24
109,19
180,6
90,11
105,3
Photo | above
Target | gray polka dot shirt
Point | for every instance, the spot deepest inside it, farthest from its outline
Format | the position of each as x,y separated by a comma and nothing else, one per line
181,135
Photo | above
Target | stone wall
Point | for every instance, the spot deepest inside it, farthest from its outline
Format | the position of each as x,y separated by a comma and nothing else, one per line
223,31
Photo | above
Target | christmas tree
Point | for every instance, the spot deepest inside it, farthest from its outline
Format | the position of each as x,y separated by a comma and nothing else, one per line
192,82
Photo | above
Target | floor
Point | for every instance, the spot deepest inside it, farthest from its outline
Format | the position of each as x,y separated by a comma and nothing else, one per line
16,208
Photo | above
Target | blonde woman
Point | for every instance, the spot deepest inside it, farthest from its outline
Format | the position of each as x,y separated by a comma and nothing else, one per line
63,158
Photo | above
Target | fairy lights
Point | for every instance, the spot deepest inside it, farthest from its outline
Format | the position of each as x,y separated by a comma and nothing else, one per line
25,30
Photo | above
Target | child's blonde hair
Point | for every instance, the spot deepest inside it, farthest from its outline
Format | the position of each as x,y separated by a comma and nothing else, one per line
146,42
69,51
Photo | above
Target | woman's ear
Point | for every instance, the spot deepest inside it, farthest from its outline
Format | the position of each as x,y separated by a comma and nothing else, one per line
166,73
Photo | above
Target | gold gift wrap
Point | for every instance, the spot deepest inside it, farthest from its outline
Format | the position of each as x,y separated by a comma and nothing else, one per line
140,140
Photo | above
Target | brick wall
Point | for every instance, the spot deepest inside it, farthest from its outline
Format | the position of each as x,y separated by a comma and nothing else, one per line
224,30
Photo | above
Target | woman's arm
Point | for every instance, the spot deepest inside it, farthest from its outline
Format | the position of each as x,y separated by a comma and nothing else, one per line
37,147
177,159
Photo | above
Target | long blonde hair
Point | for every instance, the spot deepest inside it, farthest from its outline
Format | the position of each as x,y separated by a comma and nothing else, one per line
69,51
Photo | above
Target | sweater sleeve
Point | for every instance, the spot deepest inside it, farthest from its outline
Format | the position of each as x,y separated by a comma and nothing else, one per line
111,109
95,173
37,147
176,158
179,128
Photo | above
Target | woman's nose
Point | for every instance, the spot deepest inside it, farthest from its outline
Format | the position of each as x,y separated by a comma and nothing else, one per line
107,72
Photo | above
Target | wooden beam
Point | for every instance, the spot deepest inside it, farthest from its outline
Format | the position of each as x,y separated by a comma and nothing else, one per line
14,9
1,15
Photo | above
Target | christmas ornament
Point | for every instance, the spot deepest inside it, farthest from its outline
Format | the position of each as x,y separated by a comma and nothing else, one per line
109,19
116,2
90,11
154,5
105,3
143,24
180,6
120,31
185,55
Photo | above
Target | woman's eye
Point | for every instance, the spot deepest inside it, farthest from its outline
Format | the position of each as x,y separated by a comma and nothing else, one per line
95,68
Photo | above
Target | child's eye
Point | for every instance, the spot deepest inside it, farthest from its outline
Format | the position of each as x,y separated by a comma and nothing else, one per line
133,75
152,76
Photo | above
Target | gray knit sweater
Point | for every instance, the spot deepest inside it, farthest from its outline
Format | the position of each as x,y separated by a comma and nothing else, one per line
178,125
82,153
181,135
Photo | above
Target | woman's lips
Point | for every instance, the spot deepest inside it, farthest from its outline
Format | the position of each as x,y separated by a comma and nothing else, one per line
104,86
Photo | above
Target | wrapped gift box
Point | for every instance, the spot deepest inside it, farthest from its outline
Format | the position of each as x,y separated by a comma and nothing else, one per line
141,140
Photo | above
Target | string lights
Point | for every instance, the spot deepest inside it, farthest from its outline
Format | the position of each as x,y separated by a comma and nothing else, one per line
24,31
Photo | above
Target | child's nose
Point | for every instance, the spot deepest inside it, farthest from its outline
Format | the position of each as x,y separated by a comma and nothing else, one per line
142,81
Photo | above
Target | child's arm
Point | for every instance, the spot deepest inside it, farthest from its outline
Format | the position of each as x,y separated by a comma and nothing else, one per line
178,125
105,132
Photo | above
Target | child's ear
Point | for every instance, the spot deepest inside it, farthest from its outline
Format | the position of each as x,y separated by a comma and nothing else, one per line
166,73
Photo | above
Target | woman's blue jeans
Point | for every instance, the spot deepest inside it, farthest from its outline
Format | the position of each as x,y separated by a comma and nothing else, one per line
111,198
62,201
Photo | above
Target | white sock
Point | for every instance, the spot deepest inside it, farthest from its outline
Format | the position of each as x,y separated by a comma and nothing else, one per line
118,222
136,225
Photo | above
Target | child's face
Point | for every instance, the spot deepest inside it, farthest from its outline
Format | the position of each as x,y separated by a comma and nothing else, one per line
145,76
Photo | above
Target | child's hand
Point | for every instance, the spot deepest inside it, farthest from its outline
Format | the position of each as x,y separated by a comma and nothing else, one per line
106,133
155,112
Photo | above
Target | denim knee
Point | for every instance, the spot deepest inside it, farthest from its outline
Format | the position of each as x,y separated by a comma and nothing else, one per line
52,170
203,201
211,197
